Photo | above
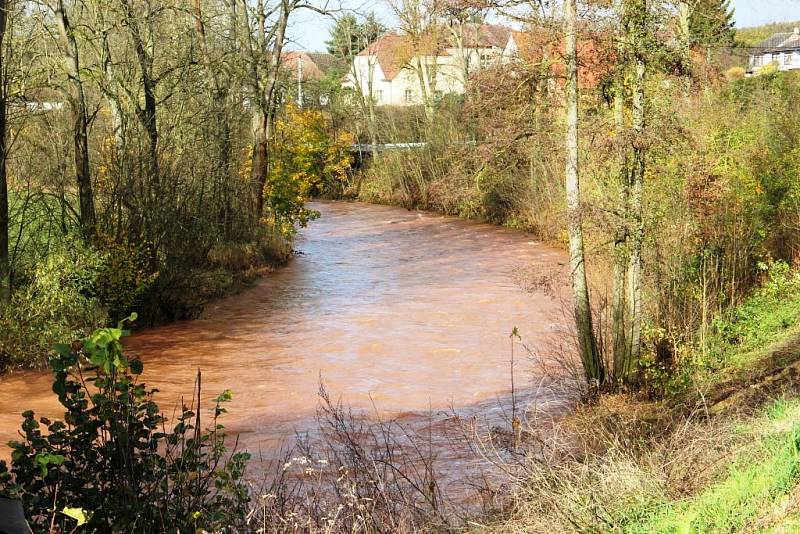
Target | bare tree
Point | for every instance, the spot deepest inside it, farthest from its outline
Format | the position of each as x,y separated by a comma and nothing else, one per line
418,20
80,120
587,343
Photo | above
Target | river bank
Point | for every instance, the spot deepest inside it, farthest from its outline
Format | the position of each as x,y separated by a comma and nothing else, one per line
715,451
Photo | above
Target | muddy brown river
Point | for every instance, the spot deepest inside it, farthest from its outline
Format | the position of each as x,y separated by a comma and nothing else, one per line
394,310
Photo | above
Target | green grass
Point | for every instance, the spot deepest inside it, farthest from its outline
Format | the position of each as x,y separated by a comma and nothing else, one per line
756,481
750,331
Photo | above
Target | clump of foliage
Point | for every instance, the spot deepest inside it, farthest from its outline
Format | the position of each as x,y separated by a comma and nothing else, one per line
74,289
306,161
111,464
57,303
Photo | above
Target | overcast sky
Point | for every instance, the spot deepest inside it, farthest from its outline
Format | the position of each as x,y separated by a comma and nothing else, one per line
309,30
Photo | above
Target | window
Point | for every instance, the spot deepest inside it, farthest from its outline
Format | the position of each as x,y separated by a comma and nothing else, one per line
437,95
787,58
378,95
409,96
486,60
776,58
757,61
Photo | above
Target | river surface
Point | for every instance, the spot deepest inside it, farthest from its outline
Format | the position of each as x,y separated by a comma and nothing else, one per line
396,311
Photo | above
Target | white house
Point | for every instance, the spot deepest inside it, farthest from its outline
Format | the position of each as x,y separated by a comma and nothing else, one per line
389,68
781,50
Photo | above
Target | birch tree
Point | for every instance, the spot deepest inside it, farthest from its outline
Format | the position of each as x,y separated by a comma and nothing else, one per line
418,22
587,344
348,38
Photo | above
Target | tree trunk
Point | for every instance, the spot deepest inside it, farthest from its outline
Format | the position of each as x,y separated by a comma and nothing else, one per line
79,122
638,166
587,344
685,8
626,304
265,115
619,313
218,93
426,86
5,264
146,114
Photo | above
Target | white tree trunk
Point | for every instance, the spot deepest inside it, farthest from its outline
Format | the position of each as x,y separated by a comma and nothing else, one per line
587,345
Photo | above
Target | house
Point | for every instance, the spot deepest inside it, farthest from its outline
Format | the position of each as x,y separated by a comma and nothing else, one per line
307,66
389,69
781,50
302,73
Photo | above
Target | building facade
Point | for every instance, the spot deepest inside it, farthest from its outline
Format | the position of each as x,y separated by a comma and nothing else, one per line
396,70
781,50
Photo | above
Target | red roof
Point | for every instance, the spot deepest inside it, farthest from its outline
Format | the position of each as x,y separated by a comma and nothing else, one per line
394,50
486,35
312,65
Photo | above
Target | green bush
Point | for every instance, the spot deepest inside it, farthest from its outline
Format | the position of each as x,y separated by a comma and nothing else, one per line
111,462
58,303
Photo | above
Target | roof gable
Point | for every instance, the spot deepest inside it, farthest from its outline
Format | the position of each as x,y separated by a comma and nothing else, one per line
394,50
390,52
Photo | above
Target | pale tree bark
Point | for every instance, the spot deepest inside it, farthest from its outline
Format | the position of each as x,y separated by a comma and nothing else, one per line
5,264
638,166
629,236
587,344
427,83
619,314
416,20
456,29
367,102
364,98
80,121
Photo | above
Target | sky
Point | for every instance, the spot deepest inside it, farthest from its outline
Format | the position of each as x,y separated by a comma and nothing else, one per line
309,30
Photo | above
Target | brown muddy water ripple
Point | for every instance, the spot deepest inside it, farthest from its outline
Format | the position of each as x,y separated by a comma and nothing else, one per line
394,310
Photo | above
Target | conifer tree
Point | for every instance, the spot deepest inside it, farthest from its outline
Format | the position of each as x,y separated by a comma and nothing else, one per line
711,24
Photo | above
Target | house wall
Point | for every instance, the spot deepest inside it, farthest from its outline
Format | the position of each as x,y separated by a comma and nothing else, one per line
363,69
783,64
404,88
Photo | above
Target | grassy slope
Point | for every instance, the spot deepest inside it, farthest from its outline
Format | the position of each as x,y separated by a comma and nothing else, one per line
747,347
739,464
757,480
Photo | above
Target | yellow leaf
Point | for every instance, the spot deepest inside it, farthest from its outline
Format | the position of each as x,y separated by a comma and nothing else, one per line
78,514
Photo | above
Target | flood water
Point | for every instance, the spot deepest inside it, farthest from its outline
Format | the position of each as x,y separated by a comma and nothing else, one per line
394,310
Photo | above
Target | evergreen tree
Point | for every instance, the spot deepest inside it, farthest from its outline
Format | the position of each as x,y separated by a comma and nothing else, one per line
711,24
349,36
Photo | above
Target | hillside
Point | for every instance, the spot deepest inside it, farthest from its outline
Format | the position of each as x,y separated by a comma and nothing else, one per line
756,34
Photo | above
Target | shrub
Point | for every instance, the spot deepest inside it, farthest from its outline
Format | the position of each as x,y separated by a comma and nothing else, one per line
58,303
735,73
112,463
